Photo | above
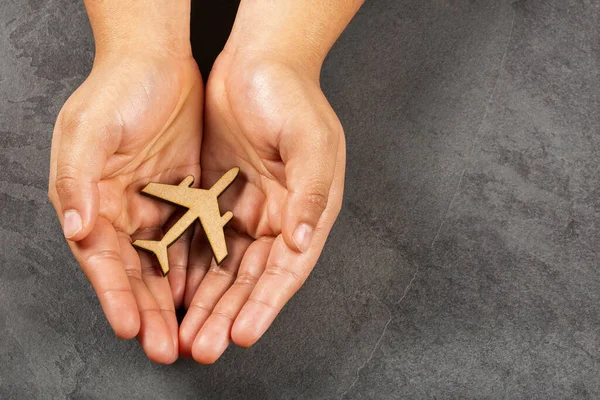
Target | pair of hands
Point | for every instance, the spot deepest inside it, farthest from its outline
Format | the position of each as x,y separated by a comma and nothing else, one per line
145,116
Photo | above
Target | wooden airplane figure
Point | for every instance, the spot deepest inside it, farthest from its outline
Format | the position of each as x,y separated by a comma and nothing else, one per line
201,204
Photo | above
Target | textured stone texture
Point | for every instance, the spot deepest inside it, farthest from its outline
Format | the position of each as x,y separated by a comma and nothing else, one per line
465,261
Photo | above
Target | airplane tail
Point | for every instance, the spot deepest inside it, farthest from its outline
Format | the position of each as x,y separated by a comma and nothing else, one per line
157,248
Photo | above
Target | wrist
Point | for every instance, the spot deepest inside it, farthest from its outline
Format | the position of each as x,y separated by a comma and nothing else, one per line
273,32
253,56
296,33
130,27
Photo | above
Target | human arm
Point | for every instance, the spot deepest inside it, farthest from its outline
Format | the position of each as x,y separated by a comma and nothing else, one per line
136,118
266,113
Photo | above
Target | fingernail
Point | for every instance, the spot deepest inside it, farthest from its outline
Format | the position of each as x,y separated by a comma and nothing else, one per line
72,223
302,237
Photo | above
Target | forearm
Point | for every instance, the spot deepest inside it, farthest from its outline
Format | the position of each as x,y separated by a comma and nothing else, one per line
299,31
133,25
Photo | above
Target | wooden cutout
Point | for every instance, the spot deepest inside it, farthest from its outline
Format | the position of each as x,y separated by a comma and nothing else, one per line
201,204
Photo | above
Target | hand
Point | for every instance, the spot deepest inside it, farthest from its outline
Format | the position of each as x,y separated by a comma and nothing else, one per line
274,122
137,118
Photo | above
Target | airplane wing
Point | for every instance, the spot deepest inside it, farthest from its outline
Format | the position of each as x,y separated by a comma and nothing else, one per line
216,235
201,203
176,194
225,181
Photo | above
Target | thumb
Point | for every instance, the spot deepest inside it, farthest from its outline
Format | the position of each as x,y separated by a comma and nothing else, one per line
78,165
309,156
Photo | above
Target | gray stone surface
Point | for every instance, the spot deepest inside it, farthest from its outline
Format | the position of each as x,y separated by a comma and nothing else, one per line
464,263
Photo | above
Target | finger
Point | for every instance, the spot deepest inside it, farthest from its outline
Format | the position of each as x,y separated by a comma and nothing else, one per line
178,261
211,289
154,335
85,143
215,335
199,261
309,155
100,258
160,291
286,270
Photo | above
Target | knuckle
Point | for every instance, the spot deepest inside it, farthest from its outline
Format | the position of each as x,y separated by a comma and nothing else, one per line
223,315
133,273
101,257
113,292
66,181
221,272
71,119
200,307
178,266
261,303
297,279
316,196
245,280
77,119
330,135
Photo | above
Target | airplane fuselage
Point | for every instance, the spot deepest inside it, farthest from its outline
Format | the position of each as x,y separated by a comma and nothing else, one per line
202,205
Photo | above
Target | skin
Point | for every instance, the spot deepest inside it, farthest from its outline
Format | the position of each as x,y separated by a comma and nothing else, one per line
264,111
136,118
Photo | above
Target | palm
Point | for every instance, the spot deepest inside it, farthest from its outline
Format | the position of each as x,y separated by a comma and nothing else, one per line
239,136
152,112
160,141
248,111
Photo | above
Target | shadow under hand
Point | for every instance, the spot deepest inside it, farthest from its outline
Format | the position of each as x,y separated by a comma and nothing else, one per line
211,24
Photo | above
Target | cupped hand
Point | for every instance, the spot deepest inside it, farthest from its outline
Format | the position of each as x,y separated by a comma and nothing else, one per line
273,121
137,118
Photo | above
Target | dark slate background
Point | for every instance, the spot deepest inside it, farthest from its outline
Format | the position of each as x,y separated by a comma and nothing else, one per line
463,265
